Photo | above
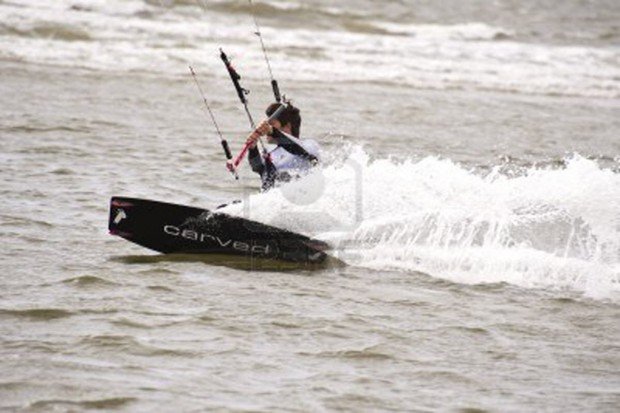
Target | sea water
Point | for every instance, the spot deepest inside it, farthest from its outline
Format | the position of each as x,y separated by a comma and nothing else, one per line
470,185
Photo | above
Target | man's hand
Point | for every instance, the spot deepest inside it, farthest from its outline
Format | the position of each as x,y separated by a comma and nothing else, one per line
230,166
264,128
252,138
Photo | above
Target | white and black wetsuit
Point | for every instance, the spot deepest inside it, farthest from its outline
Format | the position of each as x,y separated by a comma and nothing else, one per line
291,158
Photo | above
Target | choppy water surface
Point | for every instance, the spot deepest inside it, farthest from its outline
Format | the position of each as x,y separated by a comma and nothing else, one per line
471,185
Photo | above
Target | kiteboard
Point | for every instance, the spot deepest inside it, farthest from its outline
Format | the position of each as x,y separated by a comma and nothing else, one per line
178,229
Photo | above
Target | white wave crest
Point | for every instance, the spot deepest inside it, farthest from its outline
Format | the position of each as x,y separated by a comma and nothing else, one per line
136,36
550,228
465,31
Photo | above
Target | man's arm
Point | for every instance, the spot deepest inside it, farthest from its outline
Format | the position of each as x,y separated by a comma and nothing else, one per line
256,161
293,145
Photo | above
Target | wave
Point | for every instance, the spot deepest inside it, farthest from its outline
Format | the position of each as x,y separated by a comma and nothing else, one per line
473,31
313,15
36,128
131,345
126,322
97,404
48,31
552,227
302,11
309,43
11,220
88,281
38,314
46,314
369,354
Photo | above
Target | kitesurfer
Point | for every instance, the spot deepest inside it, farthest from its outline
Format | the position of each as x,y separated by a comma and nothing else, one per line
292,157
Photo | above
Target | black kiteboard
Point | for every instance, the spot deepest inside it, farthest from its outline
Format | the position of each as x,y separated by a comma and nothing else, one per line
171,228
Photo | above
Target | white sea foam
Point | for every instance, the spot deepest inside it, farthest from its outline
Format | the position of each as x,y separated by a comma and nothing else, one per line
134,36
550,228
466,31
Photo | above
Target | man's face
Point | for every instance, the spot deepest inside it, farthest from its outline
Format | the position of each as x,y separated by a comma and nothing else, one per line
276,124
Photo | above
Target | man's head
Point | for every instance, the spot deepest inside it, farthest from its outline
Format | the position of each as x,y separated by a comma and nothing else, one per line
289,120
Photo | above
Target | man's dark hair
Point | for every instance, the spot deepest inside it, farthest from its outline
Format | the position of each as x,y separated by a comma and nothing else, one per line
288,115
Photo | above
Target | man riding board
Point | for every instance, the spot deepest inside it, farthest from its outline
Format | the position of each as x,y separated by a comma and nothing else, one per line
292,157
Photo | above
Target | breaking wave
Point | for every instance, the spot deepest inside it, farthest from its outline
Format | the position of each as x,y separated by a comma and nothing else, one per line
466,31
544,227
345,46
